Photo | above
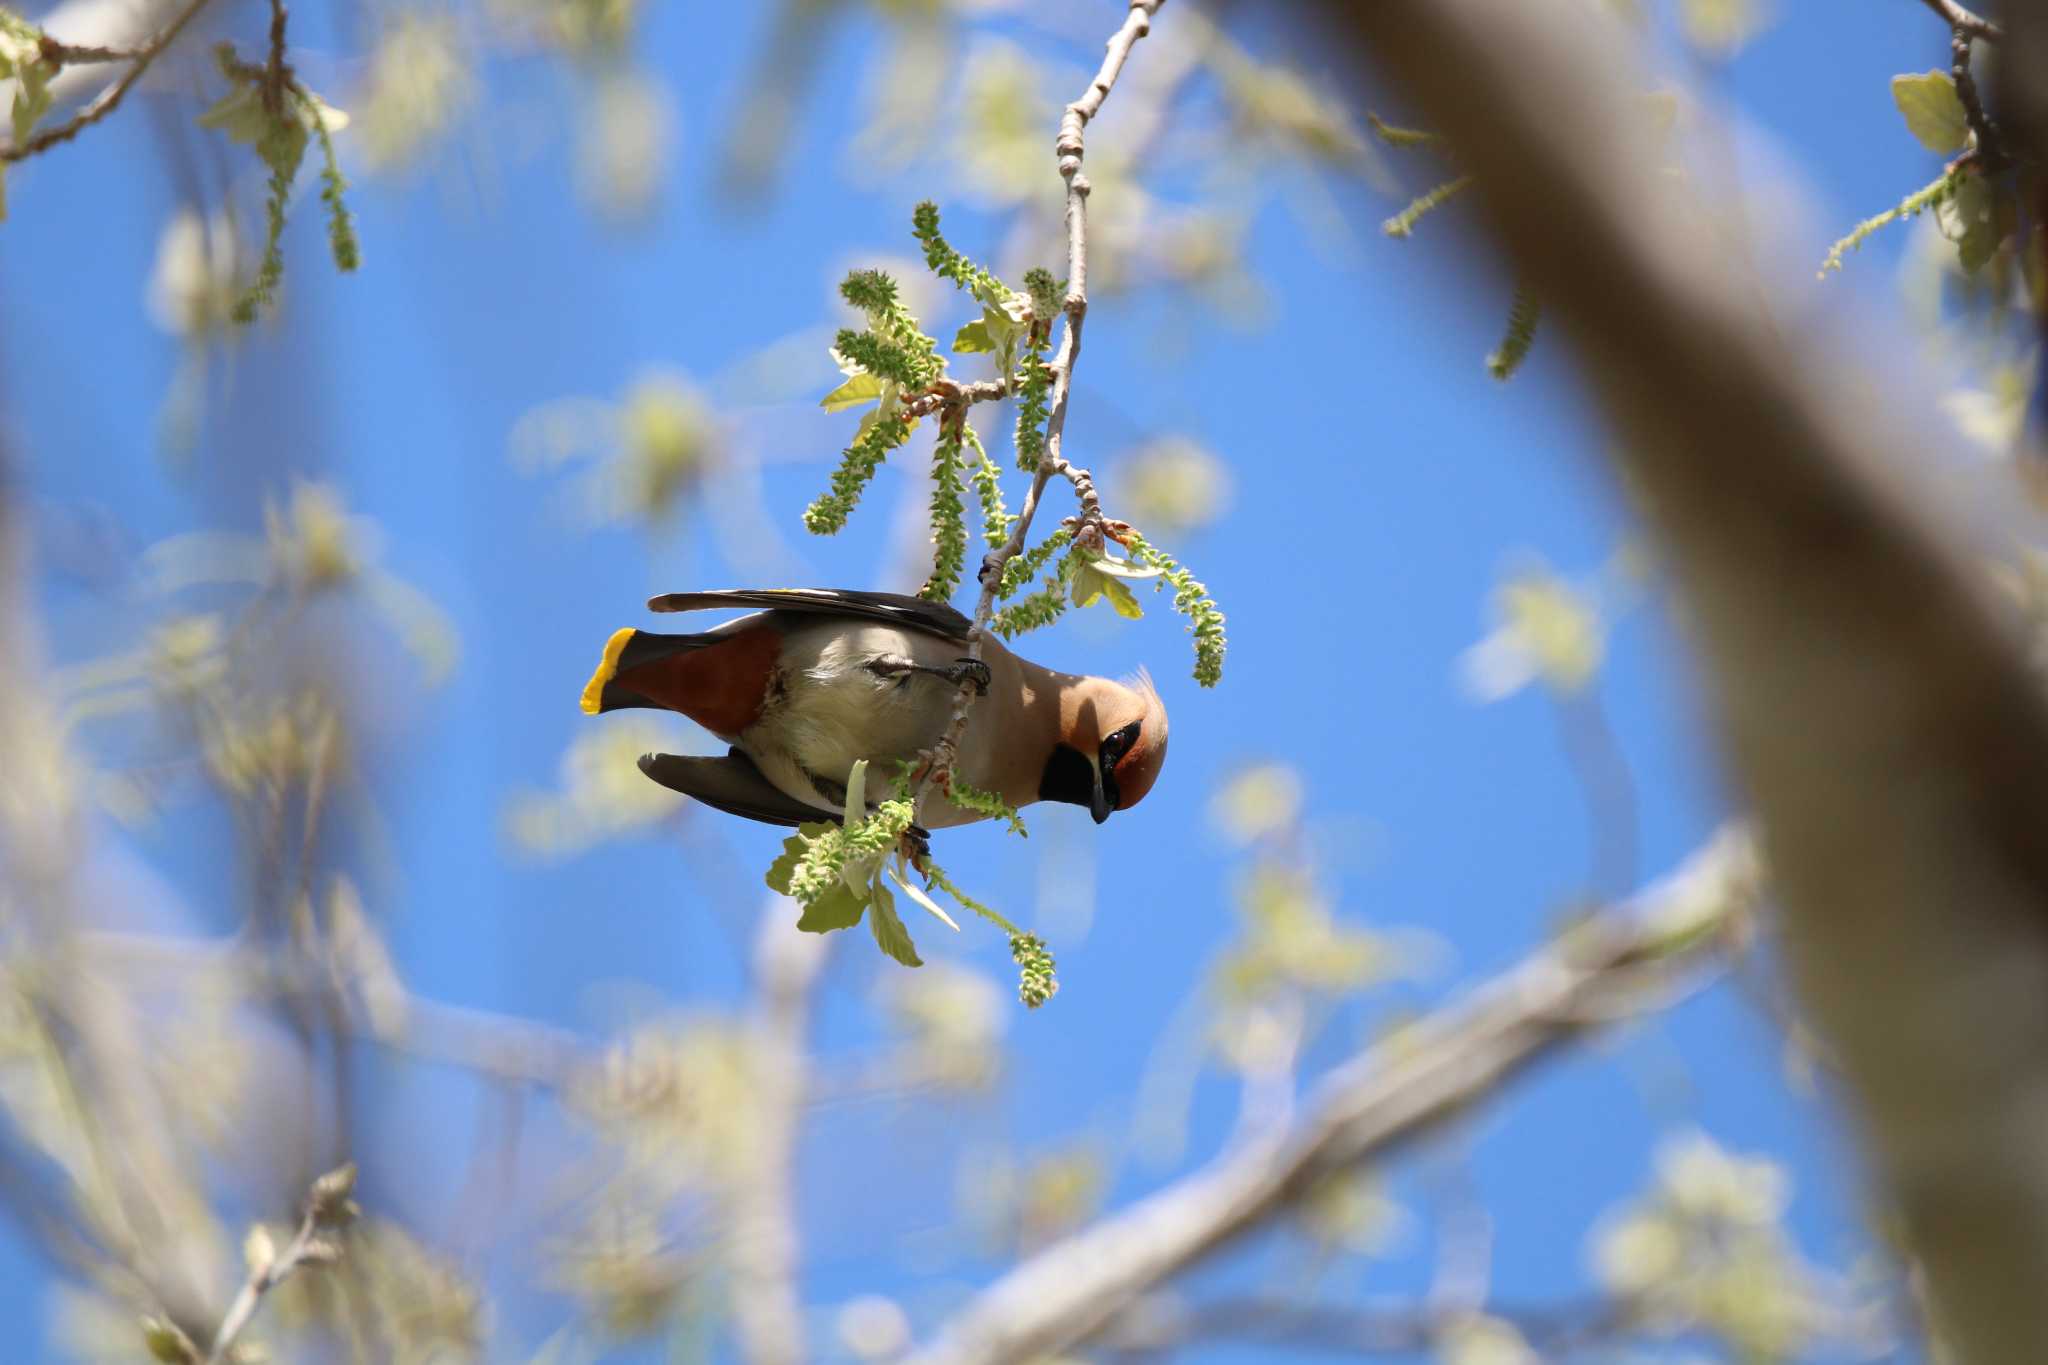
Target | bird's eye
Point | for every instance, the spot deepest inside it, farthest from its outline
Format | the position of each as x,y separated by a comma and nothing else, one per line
1119,743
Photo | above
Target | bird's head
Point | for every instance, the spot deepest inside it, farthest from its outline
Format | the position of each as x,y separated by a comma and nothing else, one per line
1112,743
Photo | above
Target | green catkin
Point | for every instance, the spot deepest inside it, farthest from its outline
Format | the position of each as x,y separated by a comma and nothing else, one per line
1403,223
1912,206
1401,137
996,520
1022,568
1191,599
856,467
949,514
1523,315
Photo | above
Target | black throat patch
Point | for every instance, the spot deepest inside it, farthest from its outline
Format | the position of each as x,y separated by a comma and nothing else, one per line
1068,777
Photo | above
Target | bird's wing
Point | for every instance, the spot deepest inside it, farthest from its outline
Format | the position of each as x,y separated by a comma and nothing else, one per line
731,784
890,608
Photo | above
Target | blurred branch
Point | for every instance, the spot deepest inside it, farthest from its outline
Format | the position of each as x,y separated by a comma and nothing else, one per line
328,1208
1964,21
1157,1324
1612,966
767,1312
1872,697
110,98
498,1045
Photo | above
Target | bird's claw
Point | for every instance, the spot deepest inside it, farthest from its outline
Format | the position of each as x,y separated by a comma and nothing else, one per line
974,671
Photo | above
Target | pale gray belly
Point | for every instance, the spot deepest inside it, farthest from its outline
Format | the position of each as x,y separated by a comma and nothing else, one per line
832,709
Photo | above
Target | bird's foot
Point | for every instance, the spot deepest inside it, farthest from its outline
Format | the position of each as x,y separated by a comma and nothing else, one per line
916,845
968,670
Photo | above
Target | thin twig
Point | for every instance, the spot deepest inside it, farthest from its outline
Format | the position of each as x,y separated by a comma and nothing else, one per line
954,396
82,54
1389,1096
1990,154
275,73
110,98
1069,149
1963,21
327,1208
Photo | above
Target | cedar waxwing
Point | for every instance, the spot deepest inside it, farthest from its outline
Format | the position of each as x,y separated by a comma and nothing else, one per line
823,678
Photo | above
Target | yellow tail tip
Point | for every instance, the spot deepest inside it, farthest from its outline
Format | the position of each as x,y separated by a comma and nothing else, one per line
593,691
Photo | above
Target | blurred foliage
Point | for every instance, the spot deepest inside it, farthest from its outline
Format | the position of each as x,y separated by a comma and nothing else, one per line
603,794
1704,1248
158,1093
1174,484
419,84
1550,631
650,450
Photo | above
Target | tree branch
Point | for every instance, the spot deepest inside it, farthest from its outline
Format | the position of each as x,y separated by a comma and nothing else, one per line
767,1313
1874,699
110,98
1384,1099
1989,148
1963,21
1069,148
1157,1325
327,1208
501,1046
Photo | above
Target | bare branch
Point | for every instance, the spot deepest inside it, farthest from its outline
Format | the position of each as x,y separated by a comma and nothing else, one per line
1873,698
110,98
1990,151
1384,1099
1069,148
1963,21
767,1314
327,1208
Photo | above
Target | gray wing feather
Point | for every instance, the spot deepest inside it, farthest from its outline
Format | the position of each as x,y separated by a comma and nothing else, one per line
890,608
731,784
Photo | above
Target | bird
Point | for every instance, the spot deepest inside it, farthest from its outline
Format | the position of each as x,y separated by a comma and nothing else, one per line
812,680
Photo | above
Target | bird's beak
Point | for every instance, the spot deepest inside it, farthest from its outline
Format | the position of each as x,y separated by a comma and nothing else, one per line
1101,805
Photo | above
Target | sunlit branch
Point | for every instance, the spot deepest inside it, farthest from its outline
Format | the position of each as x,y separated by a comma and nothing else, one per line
1070,150
1964,21
110,98
1613,967
767,1312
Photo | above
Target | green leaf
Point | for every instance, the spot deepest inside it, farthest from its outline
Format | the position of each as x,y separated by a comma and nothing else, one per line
1122,568
1090,583
1977,218
973,339
1933,111
1123,599
862,388
889,932
837,908
917,893
856,794
240,114
31,97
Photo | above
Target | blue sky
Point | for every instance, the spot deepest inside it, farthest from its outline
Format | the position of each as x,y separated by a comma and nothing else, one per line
1383,482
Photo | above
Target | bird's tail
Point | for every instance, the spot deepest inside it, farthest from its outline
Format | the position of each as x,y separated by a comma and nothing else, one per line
627,650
